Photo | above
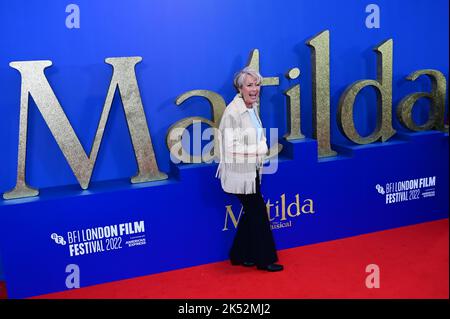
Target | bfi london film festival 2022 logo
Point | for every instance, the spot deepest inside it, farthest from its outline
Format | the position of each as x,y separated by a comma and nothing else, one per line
407,190
102,239
96,240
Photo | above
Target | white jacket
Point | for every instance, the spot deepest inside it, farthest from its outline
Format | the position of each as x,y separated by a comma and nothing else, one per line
240,154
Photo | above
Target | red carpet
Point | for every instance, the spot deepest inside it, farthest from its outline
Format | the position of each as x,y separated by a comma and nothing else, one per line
413,263
2,290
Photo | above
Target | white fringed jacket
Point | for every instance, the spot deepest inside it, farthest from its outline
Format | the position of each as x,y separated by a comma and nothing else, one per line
240,153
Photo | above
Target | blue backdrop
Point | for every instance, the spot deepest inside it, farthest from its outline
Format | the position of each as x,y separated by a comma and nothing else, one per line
187,45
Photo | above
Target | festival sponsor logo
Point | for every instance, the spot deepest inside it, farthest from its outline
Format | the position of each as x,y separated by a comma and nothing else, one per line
282,212
102,239
407,190
58,239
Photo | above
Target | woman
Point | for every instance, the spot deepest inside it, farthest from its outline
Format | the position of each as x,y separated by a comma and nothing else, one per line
243,146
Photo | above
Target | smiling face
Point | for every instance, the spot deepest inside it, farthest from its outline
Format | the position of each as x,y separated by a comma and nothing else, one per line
250,90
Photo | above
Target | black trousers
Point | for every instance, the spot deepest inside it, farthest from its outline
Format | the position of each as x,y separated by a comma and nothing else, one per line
253,241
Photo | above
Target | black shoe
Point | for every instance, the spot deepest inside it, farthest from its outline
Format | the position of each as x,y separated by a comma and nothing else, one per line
271,267
245,263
